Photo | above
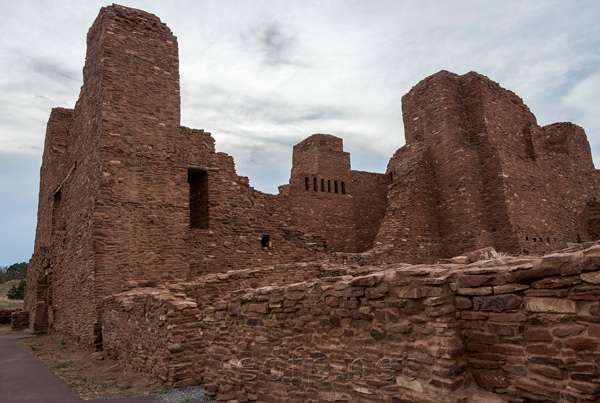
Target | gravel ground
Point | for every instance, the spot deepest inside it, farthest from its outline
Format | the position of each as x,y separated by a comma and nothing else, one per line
189,394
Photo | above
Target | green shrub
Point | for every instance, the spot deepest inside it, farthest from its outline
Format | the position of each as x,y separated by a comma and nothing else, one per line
17,292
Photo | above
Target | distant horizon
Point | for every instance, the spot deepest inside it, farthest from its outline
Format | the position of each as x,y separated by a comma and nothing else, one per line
262,76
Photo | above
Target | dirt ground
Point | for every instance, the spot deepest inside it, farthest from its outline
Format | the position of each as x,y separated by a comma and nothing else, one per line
90,374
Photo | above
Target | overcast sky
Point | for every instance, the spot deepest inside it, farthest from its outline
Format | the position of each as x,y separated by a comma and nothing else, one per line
263,75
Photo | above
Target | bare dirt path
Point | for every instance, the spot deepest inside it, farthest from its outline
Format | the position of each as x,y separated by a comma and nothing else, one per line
89,373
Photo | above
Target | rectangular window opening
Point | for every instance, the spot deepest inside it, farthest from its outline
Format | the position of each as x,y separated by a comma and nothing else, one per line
306,183
343,188
198,181
328,186
265,242
335,187
315,184
322,185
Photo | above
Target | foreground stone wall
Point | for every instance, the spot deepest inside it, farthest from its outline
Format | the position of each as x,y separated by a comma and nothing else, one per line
521,329
158,332
531,330
370,337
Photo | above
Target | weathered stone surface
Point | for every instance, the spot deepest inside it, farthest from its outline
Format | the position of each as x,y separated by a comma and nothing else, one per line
591,277
550,305
581,343
499,303
19,319
509,288
490,379
556,282
475,291
537,335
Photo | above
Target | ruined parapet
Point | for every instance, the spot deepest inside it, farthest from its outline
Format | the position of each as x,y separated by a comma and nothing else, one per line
320,190
330,199
492,175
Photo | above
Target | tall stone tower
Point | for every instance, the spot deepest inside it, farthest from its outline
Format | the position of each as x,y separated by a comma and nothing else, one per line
101,217
330,199
478,171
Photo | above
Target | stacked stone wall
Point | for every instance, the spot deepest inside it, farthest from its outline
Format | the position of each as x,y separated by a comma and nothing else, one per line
491,175
157,332
19,319
327,198
410,229
522,329
531,329
115,205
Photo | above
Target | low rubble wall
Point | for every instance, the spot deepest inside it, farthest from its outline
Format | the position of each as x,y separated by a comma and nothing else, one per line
155,331
19,319
5,315
531,330
524,329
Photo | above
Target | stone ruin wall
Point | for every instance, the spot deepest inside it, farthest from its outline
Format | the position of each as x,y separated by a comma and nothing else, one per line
478,171
329,198
130,201
114,204
121,177
524,329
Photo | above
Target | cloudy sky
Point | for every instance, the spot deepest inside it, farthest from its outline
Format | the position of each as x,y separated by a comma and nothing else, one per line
261,75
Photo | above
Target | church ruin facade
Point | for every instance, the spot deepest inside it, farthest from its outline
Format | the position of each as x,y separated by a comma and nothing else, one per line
131,200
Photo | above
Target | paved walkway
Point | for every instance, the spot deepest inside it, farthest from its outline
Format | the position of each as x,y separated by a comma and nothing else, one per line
25,378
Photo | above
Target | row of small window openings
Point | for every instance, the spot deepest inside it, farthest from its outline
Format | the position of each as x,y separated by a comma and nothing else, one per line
540,239
329,187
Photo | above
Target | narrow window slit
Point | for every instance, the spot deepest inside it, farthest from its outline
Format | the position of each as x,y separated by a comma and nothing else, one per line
265,242
199,200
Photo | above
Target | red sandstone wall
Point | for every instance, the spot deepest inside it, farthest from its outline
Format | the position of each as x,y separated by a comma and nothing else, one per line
434,114
410,230
318,202
328,199
531,329
369,193
157,332
553,194
494,176
123,163
61,282
523,329
140,214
